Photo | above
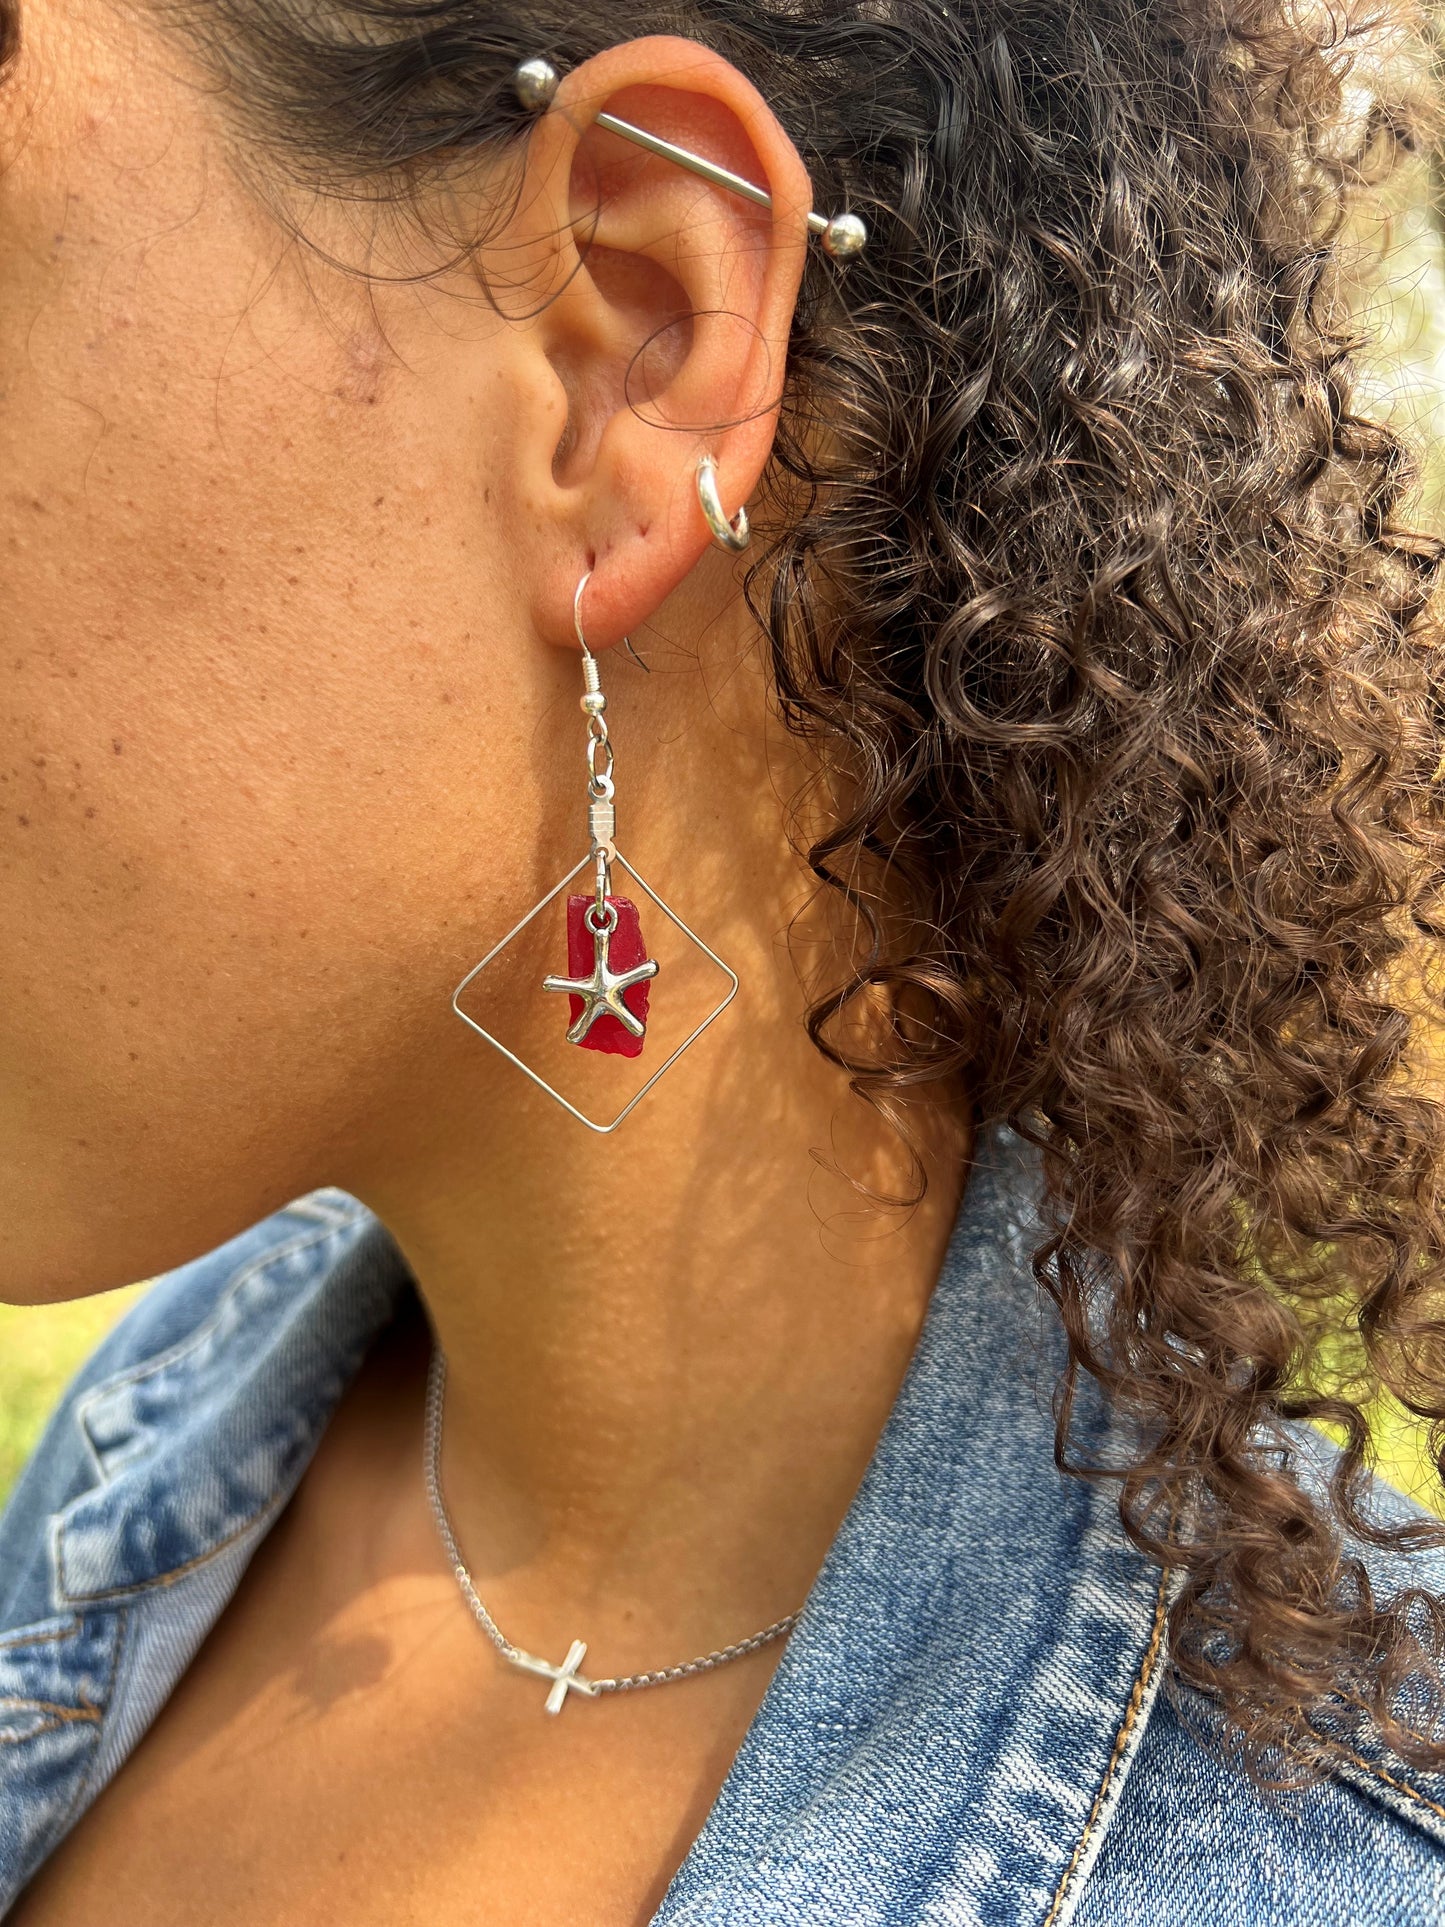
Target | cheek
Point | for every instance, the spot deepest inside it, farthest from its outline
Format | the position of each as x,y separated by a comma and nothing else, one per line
229,703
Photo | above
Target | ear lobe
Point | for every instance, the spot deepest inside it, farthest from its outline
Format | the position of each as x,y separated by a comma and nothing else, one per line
667,321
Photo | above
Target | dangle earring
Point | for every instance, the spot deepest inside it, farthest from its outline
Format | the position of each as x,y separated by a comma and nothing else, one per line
609,976
610,967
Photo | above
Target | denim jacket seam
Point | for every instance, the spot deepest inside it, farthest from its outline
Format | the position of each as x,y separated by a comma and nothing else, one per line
36,1732
1121,1740
337,1216
83,1779
22,1636
1394,1780
61,1825
54,1716
173,1354
112,1594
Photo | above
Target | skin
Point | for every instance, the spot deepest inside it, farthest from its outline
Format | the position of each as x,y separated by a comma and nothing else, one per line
290,737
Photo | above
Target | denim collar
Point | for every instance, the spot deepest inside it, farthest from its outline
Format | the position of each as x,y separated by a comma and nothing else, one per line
953,1716
187,1442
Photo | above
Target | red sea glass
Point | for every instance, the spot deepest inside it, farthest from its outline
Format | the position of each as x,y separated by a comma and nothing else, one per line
628,950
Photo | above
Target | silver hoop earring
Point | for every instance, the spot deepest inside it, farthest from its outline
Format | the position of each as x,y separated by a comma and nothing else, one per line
610,974
734,535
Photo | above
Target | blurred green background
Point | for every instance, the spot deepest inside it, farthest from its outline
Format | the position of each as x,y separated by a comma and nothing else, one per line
1400,288
39,1349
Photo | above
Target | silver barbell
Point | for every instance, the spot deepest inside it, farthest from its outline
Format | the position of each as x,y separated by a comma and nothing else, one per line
535,84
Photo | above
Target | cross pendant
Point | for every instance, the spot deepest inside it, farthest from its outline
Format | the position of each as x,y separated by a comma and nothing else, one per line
565,1678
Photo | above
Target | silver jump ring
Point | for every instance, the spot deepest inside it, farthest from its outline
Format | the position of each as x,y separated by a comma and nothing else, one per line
599,768
734,535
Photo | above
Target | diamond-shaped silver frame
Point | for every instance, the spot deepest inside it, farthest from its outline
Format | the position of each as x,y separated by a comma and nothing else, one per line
476,970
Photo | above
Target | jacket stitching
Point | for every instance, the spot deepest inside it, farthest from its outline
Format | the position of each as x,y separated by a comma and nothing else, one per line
62,1826
31,1733
67,1818
87,1713
170,1577
1392,1779
173,1354
24,1638
1121,1739
335,1215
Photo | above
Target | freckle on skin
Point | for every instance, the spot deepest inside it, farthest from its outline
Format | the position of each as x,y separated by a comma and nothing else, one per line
23,821
116,744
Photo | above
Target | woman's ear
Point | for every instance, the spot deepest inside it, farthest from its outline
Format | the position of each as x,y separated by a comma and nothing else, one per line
662,312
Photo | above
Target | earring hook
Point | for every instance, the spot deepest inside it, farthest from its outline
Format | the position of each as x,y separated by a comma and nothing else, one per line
577,626
577,615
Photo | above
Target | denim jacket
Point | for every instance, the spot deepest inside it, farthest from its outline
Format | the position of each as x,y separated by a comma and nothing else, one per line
972,1721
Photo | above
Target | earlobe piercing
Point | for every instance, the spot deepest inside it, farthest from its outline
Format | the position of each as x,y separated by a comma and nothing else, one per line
609,975
734,535
535,85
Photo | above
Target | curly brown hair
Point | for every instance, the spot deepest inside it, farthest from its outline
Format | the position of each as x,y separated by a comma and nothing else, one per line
1090,580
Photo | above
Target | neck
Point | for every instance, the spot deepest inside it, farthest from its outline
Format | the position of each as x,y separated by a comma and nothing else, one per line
670,1351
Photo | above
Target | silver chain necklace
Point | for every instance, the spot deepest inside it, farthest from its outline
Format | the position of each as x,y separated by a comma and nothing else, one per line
565,1678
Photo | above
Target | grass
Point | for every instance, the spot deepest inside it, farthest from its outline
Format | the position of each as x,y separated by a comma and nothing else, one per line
40,1348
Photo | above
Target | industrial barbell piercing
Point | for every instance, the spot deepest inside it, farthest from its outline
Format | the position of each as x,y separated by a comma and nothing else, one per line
843,237
734,535
535,84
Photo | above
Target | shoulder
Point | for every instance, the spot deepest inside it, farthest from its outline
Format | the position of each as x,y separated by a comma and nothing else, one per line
1192,1839
1188,1835
176,1356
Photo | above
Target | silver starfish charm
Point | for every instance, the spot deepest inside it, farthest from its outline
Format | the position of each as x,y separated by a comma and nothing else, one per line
565,1678
601,993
